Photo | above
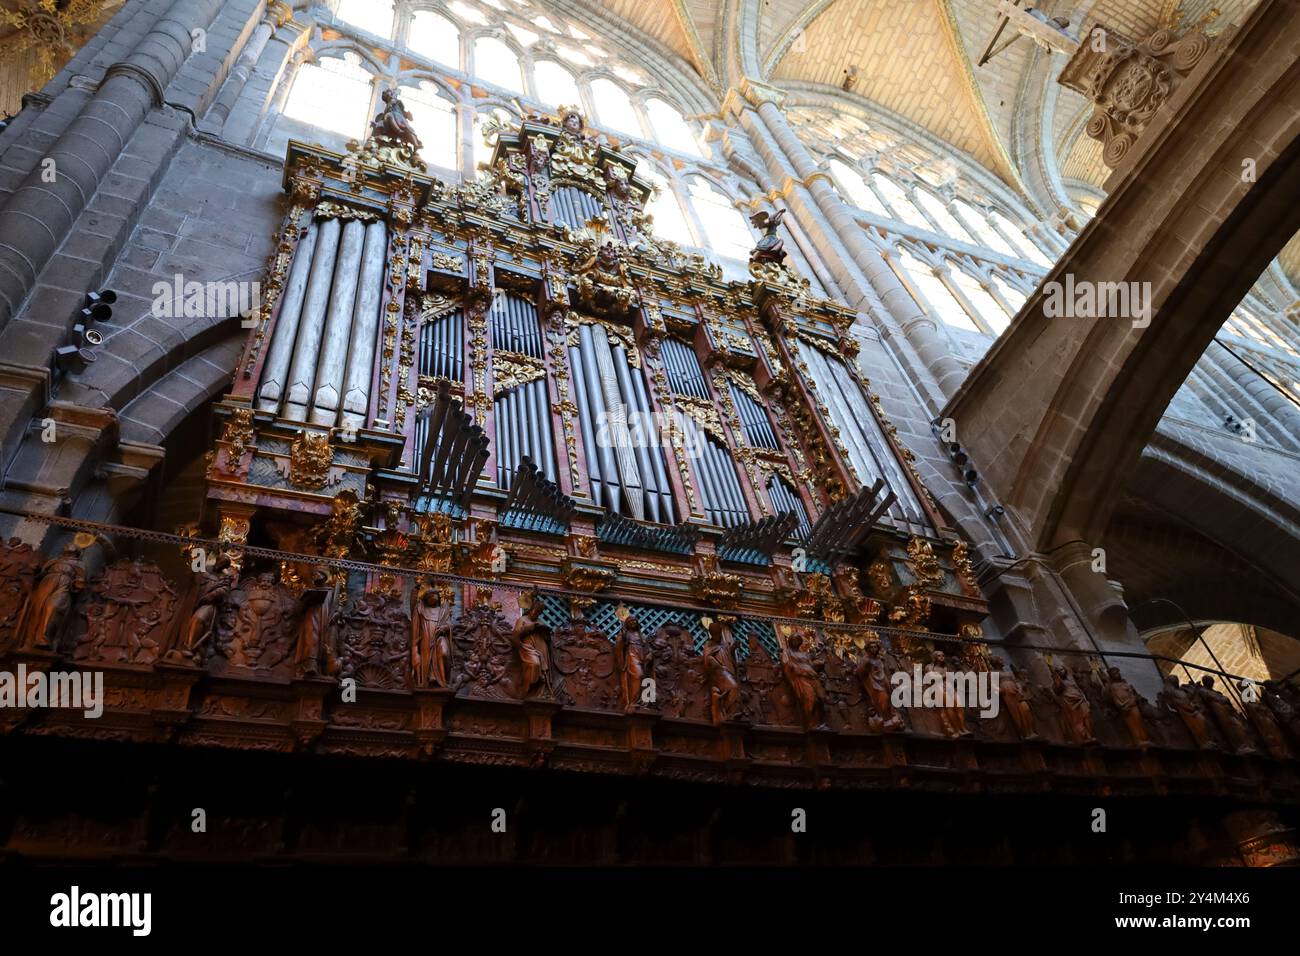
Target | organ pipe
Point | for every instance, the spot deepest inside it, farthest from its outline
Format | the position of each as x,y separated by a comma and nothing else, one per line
302,367
338,321
365,327
866,444
321,358
286,325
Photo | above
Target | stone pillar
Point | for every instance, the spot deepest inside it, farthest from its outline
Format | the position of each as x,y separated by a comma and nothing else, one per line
920,329
39,215
1100,603
277,14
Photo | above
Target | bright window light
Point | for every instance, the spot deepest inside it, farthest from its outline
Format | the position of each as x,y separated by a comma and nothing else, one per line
434,36
931,287
725,228
334,95
496,63
671,128
993,314
613,108
434,119
898,201
373,16
555,84
851,184
948,224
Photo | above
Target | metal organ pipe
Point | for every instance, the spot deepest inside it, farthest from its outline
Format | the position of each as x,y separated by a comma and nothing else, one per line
616,410
365,327
871,458
302,368
338,320
548,443
656,454
609,471
286,325
585,421
632,403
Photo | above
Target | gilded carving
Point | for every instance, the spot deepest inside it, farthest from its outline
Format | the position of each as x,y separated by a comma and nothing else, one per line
310,460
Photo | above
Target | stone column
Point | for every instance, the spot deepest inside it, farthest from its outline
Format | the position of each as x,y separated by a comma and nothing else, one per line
921,330
39,215
277,14
1100,602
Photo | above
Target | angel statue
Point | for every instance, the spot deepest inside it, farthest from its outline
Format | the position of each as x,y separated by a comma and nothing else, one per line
392,122
771,248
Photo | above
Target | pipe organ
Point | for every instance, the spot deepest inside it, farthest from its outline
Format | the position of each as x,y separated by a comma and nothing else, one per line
512,383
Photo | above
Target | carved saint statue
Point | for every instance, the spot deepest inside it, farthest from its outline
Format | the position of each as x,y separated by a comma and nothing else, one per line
431,636
1188,708
530,638
633,657
1011,696
1288,717
873,675
770,248
803,674
315,653
1226,716
952,714
720,673
1076,712
1126,700
212,588
47,607
1266,725
392,122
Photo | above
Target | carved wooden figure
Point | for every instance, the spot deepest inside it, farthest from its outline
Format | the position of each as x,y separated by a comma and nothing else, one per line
803,674
951,712
1127,701
43,616
1229,721
212,588
1012,699
1266,725
392,122
20,564
431,636
719,672
1288,716
315,653
1189,708
633,660
1076,712
873,673
531,640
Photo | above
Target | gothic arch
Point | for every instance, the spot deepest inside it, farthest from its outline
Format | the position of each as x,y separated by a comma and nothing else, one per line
1076,401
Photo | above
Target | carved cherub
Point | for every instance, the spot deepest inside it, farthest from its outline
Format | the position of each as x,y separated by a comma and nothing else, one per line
770,248
392,122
